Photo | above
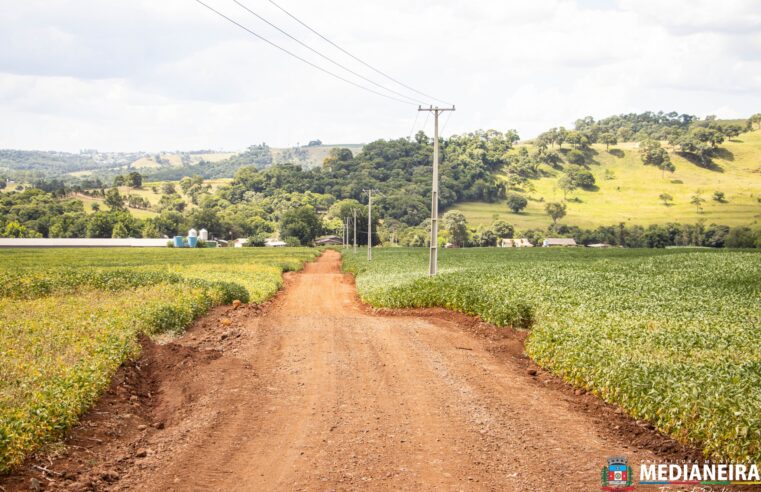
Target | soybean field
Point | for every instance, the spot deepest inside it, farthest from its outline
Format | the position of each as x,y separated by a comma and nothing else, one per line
70,317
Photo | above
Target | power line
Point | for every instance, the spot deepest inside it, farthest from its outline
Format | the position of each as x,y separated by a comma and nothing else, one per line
355,57
446,122
325,56
425,122
412,130
321,69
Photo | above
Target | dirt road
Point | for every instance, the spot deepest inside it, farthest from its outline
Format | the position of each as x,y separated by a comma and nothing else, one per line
321,394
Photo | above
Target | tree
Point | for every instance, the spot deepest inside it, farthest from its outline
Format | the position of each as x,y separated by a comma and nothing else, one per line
697,200
502,229
741,237
567,184
336,157
302,223
119,231
516,202
168,188
577,139
707,135
666,199
484,237
583,178
150,230
555,210
185,184
560,136
114,200
653,154
100,225
134,180
666,166
575,157
15,230
118,181
656,237
754,122
608,139
719,196
457,227
731,131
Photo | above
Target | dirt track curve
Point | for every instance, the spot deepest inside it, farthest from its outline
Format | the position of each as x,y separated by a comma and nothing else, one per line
319,393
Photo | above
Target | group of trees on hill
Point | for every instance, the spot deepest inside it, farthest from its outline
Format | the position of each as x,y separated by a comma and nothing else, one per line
266,198
133,179
398,169
261,201
694,138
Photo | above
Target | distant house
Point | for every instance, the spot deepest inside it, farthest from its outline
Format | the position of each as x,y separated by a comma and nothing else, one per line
599,245
558,241
239,243
328,240
275,243
515,243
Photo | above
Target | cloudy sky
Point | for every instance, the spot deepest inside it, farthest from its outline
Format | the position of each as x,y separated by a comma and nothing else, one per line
170,74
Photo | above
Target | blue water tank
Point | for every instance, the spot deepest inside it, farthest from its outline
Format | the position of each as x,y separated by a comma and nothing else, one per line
192,241
178,241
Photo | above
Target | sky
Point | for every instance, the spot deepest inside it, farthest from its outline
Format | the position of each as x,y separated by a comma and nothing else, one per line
172,75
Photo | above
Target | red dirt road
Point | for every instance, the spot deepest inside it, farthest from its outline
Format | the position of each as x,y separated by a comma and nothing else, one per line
322,394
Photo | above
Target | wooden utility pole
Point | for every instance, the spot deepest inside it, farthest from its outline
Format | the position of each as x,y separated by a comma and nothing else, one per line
434,255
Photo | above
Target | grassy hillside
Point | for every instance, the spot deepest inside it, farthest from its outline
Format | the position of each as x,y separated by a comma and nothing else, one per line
628,190
146,192
311,156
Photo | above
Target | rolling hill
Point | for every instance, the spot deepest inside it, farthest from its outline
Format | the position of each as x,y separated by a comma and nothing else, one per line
628,191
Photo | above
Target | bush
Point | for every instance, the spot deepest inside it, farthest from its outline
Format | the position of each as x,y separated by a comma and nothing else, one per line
742,237
584,179
292,241
256,241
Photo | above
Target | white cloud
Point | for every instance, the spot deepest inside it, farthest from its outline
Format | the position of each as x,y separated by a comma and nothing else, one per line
165,75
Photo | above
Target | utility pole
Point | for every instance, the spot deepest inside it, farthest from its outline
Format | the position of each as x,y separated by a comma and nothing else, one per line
434,255
369,223
346,232
355,230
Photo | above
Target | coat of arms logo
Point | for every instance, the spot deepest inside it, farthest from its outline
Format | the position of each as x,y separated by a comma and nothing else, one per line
617,475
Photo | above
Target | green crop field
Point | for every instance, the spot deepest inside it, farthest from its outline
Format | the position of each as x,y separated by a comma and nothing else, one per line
671,336
628,191
70,317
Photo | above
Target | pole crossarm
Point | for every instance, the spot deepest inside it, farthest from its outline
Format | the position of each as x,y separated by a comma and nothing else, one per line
433,262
